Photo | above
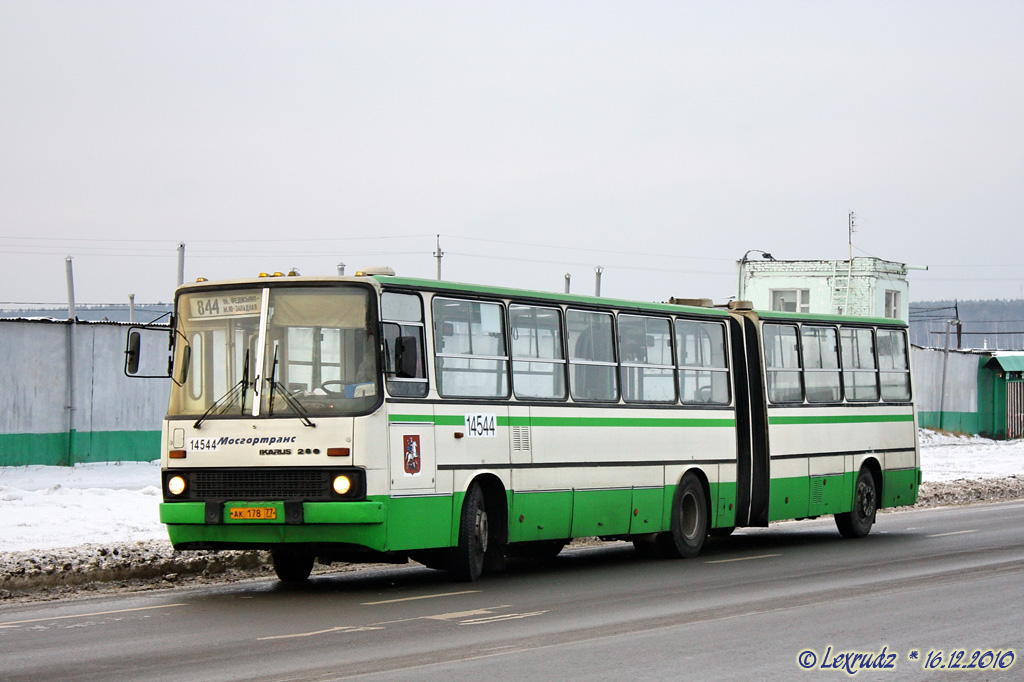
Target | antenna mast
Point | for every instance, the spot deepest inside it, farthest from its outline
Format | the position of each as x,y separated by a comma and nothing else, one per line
853,228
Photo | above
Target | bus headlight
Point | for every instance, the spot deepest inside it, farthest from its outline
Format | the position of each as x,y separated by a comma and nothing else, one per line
176,485
342,484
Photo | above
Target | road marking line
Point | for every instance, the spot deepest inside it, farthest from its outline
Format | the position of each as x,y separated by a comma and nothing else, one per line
340,628
466,614
956,532
425,596
15,623
742,558
495,619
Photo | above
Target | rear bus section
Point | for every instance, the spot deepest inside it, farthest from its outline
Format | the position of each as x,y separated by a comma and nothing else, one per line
842,429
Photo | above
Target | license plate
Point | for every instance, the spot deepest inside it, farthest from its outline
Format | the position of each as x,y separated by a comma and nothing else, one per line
253,514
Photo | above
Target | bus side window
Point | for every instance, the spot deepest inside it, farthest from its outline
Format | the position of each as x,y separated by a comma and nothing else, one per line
860,372
472,362
782,363
538,361
821,363
894,370
645,359
593,372
701,358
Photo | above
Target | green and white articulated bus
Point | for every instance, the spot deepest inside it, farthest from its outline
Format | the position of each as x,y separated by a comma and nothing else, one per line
380,418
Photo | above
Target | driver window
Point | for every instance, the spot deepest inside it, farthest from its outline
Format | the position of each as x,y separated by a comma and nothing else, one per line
405,369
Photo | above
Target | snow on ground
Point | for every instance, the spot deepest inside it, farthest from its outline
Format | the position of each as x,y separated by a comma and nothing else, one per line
44,508
946,457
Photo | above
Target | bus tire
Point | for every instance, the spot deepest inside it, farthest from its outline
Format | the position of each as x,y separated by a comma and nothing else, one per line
292,567
857,523
689,527
474,537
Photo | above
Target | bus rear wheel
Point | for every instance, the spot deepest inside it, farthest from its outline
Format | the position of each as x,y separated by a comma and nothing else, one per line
292,567
857,523
467,562
689,527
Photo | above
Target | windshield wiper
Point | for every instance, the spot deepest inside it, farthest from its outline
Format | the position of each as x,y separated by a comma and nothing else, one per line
245,379
275,388
242,387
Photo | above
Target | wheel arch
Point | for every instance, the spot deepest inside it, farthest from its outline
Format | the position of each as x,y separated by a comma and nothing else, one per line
495,501
709,508
875,469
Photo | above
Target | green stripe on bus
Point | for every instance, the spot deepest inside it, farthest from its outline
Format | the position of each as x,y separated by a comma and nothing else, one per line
617,422
629,421
842,419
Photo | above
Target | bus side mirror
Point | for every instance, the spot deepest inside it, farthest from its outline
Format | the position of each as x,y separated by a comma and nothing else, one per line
186,360
131,361
406,357
148,347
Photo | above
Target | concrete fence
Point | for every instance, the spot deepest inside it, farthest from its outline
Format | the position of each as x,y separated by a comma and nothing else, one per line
64,398
957,408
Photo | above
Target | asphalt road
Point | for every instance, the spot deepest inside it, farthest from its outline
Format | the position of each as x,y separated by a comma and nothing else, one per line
937,588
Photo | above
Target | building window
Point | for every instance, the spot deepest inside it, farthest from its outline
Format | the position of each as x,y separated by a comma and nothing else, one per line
791,300
892,304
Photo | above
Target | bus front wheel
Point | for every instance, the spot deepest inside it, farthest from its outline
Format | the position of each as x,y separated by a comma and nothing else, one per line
291,566
474,537
689,526
857,523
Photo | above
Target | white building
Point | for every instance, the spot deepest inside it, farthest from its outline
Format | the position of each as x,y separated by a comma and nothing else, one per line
869,287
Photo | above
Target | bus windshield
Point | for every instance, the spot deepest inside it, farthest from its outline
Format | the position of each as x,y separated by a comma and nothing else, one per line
276,352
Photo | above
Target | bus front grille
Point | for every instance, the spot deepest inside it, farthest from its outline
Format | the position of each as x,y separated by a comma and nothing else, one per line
261,485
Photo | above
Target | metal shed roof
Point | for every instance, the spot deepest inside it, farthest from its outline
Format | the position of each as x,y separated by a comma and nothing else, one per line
1009,363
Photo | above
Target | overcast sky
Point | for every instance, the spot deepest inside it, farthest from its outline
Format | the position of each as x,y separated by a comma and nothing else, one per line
660,140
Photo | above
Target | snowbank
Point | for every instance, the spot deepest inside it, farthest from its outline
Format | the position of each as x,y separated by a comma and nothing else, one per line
44,508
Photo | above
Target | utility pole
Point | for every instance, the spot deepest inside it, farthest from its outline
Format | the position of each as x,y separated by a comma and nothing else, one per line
70,387
438,255
568,279
341,269
69,270
181,263
597,280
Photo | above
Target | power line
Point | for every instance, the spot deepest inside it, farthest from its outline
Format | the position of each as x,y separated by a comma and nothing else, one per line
589,250
642,268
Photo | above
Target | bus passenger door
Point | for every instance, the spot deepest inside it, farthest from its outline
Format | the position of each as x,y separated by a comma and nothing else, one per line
752,451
